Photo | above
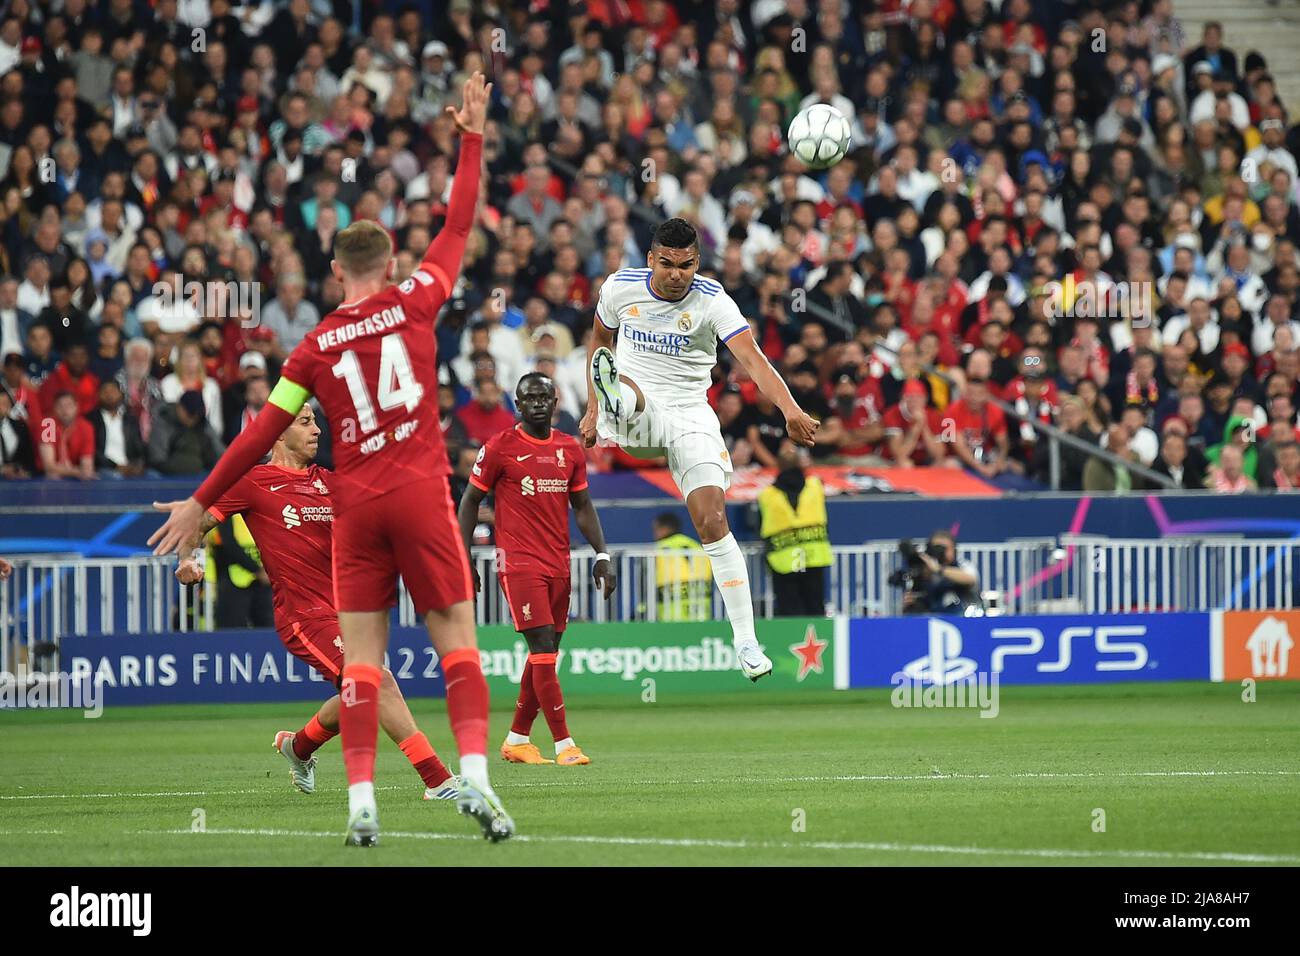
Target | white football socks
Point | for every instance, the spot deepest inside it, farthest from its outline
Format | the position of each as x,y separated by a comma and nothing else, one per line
732,577
361,795
628,396
473,767
514,739
562,745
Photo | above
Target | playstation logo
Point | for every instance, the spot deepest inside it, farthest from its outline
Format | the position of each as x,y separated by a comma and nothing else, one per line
943,665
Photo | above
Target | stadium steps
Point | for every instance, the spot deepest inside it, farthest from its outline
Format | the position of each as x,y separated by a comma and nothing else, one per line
1271,29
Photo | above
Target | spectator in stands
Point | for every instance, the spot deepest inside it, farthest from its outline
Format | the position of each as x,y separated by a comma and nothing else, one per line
247,397
1238,433
72,375
191,375
182,441
66,441
1227,475
485,415
1099,474
1176,463
914,432
17,459
119,449
14,321
1286,475
979,431
1136,165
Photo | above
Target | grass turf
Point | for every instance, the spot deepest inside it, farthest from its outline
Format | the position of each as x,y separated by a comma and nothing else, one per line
1185,774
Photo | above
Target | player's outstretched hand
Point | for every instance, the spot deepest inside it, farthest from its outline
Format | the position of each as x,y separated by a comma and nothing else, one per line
602,572
801,427
6,569
472,115
587,428
181,525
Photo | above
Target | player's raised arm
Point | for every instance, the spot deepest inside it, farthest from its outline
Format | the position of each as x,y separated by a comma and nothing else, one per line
800,425
443,258
287,399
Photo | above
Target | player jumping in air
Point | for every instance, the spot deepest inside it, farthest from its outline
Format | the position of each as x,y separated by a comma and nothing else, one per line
372,365
654,400
535,472
286,505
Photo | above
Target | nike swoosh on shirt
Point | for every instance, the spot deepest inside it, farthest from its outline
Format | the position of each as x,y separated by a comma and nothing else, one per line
278,487
522,457
561,707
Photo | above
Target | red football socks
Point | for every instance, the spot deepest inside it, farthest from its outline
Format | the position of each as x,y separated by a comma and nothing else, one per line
420,752
526,706
359,720
311,738
546,686
467,700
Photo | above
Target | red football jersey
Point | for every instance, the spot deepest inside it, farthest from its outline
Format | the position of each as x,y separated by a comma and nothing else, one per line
532,481
979,428
373,366
290,516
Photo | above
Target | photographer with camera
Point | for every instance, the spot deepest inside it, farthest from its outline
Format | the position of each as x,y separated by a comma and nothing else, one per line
934,582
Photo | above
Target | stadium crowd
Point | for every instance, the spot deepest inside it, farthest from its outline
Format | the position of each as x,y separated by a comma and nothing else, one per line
998,150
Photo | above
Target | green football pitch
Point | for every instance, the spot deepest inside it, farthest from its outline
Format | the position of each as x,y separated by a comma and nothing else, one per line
1118,775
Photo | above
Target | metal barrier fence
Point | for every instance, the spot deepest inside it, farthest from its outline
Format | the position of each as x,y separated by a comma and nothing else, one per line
1113,575
52,595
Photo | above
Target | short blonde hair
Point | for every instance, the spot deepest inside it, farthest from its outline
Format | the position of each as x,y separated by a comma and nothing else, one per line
362,248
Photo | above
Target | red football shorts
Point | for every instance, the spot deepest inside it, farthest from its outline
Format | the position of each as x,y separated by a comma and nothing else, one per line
411,531
537,600
318,643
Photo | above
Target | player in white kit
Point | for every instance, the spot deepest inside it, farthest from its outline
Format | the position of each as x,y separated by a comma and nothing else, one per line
653,400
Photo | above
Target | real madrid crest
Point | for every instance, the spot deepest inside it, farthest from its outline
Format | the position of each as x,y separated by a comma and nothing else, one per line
684,323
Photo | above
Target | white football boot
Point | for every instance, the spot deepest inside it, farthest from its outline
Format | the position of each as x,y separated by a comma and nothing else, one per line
301,772
753,662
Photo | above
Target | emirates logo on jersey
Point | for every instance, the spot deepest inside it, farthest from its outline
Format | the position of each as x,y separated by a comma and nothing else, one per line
290,515
527,485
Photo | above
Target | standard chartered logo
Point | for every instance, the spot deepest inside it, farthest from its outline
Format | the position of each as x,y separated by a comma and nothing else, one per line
290,515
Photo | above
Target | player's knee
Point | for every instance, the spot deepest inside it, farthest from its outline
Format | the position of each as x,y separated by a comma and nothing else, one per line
712,525
541,640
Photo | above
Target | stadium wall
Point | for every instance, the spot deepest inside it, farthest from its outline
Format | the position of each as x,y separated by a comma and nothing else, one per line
652,662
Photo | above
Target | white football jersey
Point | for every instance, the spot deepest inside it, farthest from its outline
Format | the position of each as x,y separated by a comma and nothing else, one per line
668,347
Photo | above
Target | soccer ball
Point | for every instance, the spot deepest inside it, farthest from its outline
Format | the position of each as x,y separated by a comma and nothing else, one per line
819,136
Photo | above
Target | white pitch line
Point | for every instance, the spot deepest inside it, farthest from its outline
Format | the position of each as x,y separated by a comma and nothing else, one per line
932,848
573,781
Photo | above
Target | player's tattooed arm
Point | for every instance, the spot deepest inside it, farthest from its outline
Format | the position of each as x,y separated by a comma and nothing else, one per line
584,513
467,518
801,426
190,569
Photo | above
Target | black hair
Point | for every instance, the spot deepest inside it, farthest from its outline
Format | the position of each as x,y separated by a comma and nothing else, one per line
668,520
535,376
676,234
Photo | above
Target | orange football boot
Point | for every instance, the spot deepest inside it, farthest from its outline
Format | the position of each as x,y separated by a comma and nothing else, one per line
523,753
572,757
